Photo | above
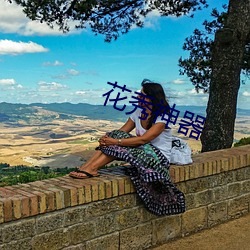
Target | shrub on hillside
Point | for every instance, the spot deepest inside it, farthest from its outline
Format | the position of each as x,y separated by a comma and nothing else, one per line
242,142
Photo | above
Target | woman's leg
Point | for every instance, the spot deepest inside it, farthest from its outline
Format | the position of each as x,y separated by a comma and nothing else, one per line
91,159
98,160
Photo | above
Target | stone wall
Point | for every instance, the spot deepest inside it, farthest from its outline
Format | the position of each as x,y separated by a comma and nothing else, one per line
105,212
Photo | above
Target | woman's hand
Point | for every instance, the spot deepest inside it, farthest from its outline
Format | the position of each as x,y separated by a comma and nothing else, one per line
107,141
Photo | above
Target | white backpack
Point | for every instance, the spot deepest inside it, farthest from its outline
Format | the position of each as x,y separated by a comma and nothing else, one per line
180,152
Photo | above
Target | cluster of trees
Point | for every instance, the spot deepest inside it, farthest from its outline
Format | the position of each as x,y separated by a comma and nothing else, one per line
24,174
215,64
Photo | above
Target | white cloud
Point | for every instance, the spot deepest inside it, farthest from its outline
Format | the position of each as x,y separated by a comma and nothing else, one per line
80,92
51,86
19,86
246,93
7,82
55,63
178,81
13,20
10,84
15,48
194,92
73,72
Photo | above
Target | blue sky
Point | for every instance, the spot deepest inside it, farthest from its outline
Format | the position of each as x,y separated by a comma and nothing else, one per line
38,64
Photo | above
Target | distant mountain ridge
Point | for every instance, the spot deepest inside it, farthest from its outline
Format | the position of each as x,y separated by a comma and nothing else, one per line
10,112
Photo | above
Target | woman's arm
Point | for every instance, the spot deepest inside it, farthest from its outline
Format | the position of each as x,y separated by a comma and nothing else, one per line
128,126
135,141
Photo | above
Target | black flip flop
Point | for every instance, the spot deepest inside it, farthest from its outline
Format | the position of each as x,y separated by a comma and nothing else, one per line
87,175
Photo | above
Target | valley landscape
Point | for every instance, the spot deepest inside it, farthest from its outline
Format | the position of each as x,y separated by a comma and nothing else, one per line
65,135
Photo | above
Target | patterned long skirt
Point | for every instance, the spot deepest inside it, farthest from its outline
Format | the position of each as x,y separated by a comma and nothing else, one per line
149,173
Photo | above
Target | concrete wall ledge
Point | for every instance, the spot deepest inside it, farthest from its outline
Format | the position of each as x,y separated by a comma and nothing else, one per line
216,186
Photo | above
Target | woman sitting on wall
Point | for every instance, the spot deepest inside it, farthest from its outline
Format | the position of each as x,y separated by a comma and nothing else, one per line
148,152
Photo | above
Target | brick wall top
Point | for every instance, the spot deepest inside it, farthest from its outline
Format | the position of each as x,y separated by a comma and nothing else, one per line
25,200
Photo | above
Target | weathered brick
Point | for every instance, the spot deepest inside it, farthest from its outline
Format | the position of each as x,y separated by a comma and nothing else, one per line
129,217
210,168
216,166
166,228
176,174
181,174
194,220
59,198
33,200
203,198
105,224
243,160
76,247
17,212
224,165
190,202
82,232
41,201
186,172
240,174
231,163
247,171
182,186
88,193
101,191
132,188
234,189
238,206
235,162
108,188
7,209
73,194
248,159
115,188
18,230
50,201
217,213
1,211
95,192
74,215
44,193
245,186
172,173
51,240
49,222
197,185
107,242
121,185
127,185
6,192
220,193
99,208
138,237
78,184
66,197
191,171
24,244
201,170
197,170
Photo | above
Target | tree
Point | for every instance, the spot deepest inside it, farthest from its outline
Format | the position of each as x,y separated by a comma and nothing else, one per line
227,58
219,128
115,17
198,65
108,17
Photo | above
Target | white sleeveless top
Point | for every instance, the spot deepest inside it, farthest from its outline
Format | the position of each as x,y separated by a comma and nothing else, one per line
163,141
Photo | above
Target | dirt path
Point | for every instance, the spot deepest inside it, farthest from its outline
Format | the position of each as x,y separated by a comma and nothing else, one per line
233,235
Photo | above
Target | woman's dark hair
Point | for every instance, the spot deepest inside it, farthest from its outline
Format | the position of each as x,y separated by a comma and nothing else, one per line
160,104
